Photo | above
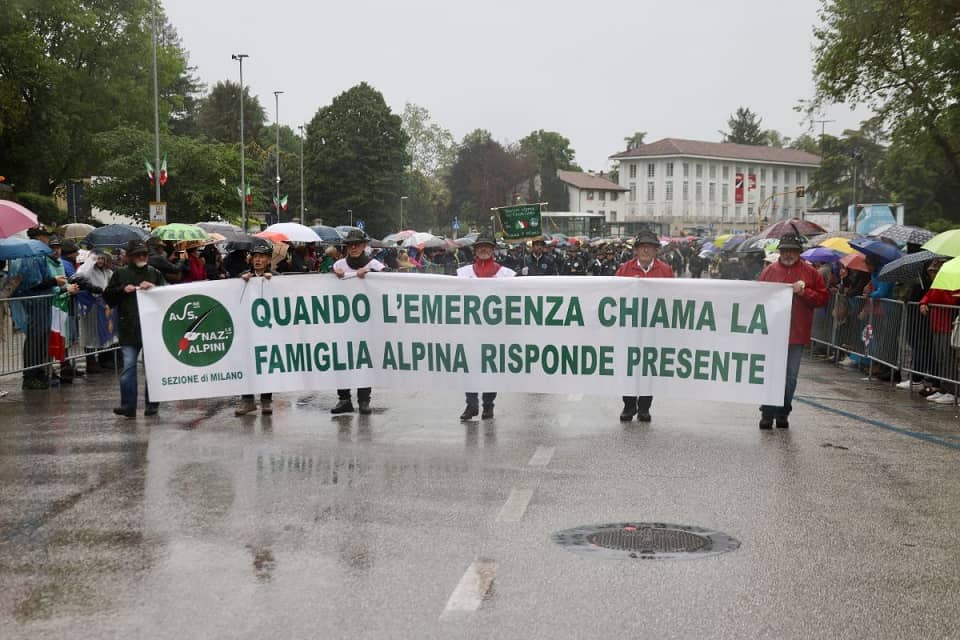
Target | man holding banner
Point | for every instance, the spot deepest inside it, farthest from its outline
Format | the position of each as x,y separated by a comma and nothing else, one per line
645,265
809,293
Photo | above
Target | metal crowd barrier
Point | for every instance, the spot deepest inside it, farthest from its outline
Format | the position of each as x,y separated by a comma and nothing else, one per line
25,335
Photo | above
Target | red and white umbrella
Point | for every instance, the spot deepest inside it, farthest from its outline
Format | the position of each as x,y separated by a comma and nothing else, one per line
14,218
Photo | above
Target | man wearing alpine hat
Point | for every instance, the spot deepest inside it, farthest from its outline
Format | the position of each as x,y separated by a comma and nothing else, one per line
260,254
357,264
484,266
644,264
809,293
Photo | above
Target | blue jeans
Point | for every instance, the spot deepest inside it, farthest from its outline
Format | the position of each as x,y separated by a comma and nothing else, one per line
128,380
794,355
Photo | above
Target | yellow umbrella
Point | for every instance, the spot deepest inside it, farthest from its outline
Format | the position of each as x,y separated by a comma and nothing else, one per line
838,244
722,240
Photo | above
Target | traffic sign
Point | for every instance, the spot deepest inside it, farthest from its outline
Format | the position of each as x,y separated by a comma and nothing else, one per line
360,225
158,214
456,224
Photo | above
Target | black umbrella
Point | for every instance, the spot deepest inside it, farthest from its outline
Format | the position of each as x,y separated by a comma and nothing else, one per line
908,267
328,234
902,234
114,236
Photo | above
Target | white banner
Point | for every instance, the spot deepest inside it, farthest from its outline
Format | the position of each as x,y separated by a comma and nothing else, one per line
694,339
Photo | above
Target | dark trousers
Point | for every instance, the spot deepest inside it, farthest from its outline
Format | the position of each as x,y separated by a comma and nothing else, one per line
638,403
473,398
794,356
264,397
36,339
363,394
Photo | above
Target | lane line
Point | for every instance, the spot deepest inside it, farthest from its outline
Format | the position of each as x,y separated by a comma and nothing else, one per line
542,456
883,425
515,506
563,419
471,590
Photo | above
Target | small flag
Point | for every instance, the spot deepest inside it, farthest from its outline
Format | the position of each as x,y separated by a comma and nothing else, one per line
163,171
248,194
149,170
283,203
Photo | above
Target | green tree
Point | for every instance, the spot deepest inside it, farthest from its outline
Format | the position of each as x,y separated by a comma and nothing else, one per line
427,204
202,181
850,164
744,128
635,140
432,148
218,114
484,175
69,71
355,157
548,152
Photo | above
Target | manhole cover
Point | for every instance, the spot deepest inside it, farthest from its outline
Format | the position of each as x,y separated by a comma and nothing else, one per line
645,541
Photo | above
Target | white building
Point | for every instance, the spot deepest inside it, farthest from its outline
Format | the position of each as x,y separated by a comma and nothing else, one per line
594,197
677,186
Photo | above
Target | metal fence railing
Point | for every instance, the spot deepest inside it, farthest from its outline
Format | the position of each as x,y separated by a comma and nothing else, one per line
25,335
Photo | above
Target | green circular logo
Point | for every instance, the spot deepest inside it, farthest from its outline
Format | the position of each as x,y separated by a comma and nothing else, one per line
197,330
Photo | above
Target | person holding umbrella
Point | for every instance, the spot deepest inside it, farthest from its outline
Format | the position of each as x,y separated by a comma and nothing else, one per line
809,293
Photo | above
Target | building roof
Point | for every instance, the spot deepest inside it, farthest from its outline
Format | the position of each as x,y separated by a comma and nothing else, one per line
758,153
588,181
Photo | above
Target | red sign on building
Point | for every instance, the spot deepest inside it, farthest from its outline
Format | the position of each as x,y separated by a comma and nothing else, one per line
738,188
752,181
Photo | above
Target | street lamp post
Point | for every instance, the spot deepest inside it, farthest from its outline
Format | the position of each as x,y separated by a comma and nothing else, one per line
302,209
350,213
156,107
402,198
243,173
276,98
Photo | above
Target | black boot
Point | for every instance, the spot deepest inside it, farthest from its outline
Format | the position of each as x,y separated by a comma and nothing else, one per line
364,407
487,412
470,411
343,406
629,409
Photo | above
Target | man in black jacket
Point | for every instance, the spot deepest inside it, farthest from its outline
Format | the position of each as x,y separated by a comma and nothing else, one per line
121,293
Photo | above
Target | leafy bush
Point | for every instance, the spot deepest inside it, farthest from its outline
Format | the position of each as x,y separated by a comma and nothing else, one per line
45,207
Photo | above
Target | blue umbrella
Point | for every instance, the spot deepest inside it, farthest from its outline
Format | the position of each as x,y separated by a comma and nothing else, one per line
821,254
881,251
14,248
114,235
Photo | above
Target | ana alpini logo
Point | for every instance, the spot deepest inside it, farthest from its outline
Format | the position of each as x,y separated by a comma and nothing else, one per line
197,330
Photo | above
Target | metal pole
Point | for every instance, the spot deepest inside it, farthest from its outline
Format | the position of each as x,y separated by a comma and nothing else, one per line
350,212
301,175
276,97
402,198
156,107
243,173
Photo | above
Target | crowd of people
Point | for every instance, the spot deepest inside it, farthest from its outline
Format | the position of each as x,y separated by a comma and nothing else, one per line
99,288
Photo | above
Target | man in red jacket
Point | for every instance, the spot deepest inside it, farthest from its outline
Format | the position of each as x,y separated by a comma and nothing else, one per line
809,292
643,265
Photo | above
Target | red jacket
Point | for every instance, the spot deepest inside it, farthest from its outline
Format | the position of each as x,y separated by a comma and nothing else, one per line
631,269
941,320
814,295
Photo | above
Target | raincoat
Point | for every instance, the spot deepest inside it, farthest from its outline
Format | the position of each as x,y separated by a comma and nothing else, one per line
814,295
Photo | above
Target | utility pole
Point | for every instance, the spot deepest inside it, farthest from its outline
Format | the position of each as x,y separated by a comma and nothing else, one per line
301,175
276,98
243,174
156,107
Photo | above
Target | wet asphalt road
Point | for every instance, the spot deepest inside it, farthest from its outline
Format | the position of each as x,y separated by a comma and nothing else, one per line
409,524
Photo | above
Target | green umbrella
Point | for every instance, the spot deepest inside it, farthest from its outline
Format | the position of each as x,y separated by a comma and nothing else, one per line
948,277
176,232
946,243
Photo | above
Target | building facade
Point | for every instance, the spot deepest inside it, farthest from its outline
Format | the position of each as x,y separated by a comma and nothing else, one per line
686,186
595,198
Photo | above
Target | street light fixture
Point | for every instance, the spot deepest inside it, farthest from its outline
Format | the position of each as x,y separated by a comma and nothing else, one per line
402,198
276,98
243,174
301,175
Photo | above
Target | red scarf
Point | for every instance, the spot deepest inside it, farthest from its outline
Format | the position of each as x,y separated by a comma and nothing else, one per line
486,268
198,270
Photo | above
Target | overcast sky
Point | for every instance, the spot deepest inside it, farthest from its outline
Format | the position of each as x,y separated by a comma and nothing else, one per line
595,72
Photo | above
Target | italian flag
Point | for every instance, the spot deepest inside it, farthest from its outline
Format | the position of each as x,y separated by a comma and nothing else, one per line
149,167
163,171
283,203
59,322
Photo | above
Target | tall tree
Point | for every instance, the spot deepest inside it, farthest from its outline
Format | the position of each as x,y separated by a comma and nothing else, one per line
850,167
635,140
547,152
432,148
744,128
69,71
218,114
484,175
356,154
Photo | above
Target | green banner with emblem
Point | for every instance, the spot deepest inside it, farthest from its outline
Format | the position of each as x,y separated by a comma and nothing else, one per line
521,222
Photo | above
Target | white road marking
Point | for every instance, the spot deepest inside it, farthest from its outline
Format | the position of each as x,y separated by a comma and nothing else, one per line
542,456
472,588
563,419
515,506
575,397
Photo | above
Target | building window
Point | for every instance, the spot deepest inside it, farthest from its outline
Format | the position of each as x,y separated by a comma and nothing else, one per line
724,211
797,176
738,212
725,192
713,171
651,192
776,175
589,195
699,170
763,192
763,174
726,172
613,216
686,190
602,194
739,170
651,170
589,210
613,196
633,192
668,194
699,192
686,169
602,212
712,192
633,170
669,169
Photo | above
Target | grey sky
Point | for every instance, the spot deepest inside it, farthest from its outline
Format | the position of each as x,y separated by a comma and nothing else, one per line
593,72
